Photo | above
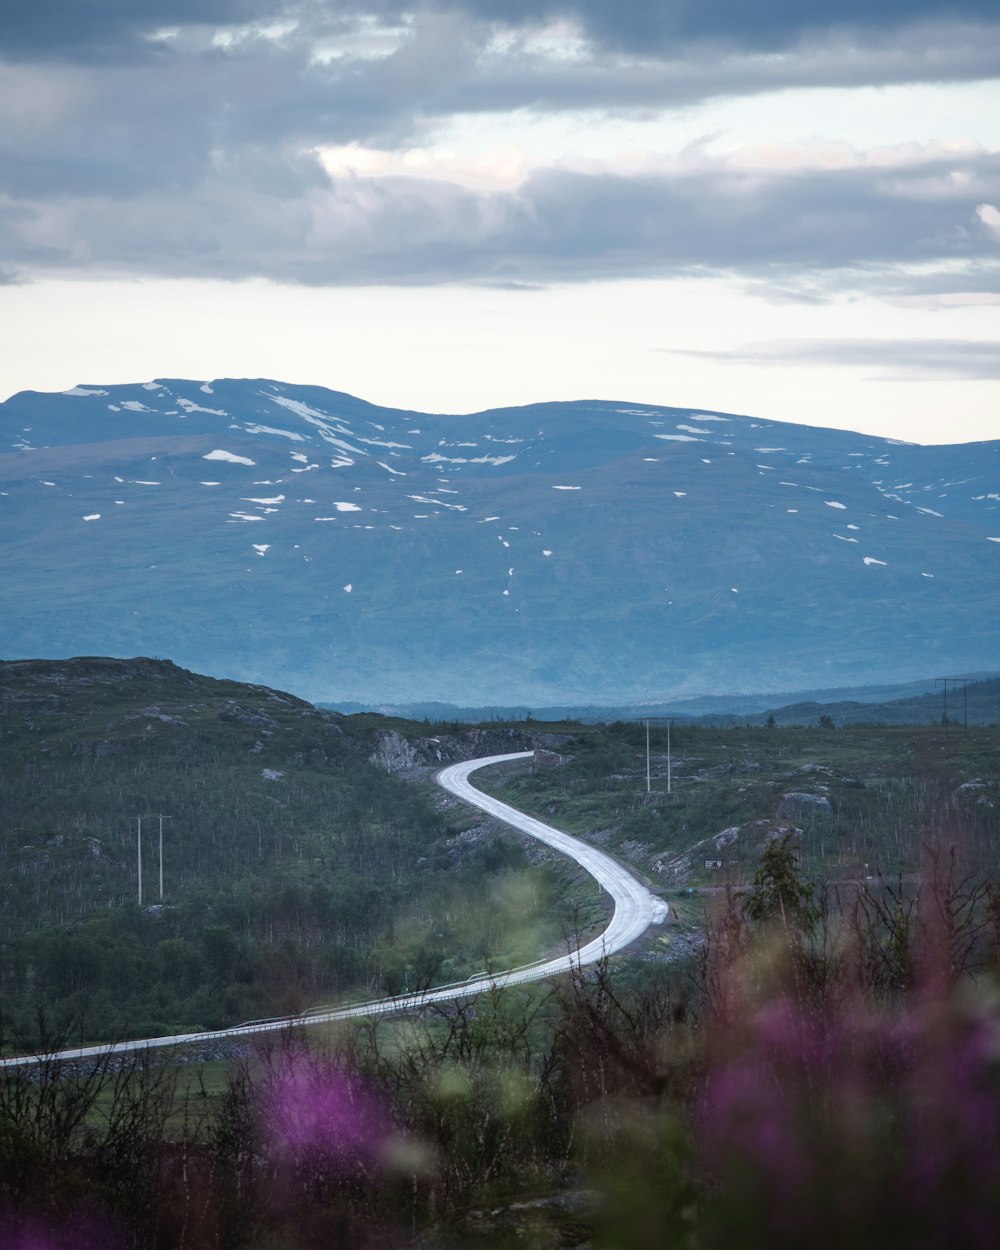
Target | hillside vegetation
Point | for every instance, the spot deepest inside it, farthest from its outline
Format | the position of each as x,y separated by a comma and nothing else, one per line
825,1075
861,800
834,1033
295,870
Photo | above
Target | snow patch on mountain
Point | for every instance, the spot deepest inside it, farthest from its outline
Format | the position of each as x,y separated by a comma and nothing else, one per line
437,458
228,457
190,406
325,424
297,406
252,428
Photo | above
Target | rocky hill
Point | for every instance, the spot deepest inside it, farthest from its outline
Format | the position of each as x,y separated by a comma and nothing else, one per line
296,868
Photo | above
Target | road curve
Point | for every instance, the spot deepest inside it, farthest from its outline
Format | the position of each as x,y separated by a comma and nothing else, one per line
635,909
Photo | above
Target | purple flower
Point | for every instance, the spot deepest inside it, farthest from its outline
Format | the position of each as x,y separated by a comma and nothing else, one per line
312,1106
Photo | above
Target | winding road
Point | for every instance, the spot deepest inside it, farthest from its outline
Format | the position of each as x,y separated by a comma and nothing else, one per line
635,909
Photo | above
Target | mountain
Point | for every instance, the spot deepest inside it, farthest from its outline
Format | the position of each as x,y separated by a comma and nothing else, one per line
588,552
976,703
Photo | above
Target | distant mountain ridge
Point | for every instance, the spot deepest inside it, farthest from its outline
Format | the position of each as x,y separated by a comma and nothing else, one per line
910,703
588,552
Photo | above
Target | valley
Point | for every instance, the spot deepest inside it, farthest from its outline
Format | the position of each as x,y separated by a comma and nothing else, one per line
499,587
295,869
368,1024
807,870
307,861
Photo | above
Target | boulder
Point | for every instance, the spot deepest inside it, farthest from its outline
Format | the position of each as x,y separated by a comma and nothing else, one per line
799,803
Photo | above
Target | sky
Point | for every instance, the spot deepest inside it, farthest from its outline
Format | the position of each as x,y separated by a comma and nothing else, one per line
789,210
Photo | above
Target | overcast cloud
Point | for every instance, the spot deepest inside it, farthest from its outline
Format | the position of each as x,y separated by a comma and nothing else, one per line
188,138
269,215
892,359
525,145
74,29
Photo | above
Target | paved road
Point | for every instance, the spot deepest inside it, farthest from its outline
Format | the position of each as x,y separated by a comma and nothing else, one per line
636,908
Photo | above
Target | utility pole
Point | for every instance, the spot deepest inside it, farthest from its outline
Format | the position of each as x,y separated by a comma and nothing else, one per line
161,820
138,850
660,720
964,678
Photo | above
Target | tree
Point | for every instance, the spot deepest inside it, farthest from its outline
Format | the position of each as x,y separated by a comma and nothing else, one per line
780,893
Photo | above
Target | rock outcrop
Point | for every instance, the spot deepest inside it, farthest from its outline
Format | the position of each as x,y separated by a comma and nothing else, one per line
408,756
798,803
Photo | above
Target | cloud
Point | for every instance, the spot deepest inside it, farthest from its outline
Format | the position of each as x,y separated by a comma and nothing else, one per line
71,29
293,140
645,25
81,29
894,359
256,83
989,215
812,226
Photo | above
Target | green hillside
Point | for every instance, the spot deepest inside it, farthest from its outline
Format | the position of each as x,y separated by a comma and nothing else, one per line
295,871
862,798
